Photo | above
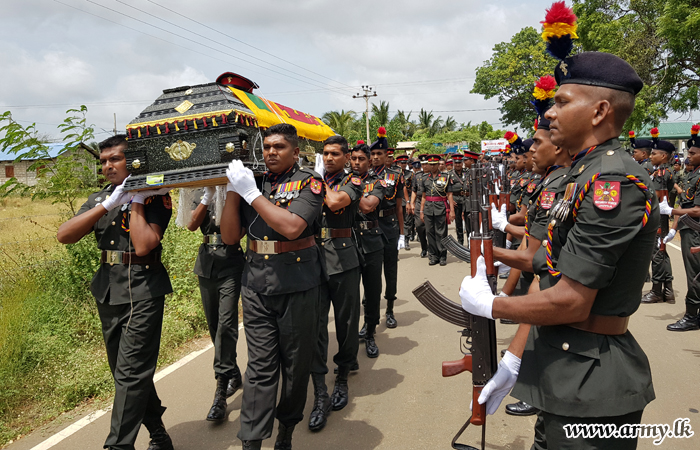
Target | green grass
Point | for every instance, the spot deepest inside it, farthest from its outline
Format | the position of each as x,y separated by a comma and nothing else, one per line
52,355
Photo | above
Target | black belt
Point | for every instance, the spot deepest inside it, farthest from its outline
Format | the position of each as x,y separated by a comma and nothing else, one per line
387,212
335,233
113,257
276,247
367,224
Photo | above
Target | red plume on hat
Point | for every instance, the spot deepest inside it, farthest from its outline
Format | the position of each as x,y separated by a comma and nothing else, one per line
694,130
360,142
559,30
632,134
381,132
510,136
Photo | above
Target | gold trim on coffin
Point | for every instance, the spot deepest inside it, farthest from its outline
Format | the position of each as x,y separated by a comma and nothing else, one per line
180,150
172,120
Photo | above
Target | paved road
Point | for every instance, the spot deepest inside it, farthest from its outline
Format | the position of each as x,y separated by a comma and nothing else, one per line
400,401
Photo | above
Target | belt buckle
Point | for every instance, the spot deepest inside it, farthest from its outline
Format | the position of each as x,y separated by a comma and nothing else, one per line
381,213
363,225
214,239
113,257
266,247
325,233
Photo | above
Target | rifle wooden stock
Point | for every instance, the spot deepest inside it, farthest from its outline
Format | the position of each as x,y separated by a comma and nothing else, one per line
694,250
478,411
452,368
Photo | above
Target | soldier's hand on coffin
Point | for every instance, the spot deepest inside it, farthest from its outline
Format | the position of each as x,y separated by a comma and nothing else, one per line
499,220
476,294
118,197
402,242
320,168
664,208
141,196
669,237
208,196
501,383
243,181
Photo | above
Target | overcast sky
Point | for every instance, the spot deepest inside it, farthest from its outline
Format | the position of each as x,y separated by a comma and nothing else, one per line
116,56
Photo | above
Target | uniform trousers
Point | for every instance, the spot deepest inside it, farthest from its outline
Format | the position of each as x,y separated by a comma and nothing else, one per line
421,232
436,230
690,238
460,217
280,332
220,302
343,291
391,267
661,271
132,340
552,436
409,221
372,285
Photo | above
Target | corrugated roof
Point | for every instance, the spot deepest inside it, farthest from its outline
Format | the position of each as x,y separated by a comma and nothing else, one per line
54,150
668,130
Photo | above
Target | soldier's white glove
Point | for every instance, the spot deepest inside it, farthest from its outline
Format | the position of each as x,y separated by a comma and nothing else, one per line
402,242
509,244
141,196
208,195
502,294
499,220
476,294
117,198
669,237
242,181
501,383
664,208
320,168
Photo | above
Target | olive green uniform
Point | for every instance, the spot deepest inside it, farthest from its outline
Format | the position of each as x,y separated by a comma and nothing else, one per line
130,301
219,268
575,376
661,271
389,224
689,239
435,211
280,296
462,206
409,220
420,224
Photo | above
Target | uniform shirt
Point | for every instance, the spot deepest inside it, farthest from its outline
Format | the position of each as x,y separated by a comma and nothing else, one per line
517,187
462,195
647,165
537,224
437,185
373,239
392,194
340,254
220,260
417,180
691,194
111,282
408,176
299,191
570,372
662,178
527,193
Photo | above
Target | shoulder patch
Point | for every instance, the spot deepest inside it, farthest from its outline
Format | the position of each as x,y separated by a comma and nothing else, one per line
383,183
531,187
355,180
315,186
606,195
546,199
523,182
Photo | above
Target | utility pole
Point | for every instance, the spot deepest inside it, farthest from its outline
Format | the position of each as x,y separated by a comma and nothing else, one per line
369,92
115,124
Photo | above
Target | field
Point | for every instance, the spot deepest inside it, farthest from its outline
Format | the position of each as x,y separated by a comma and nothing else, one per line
51,350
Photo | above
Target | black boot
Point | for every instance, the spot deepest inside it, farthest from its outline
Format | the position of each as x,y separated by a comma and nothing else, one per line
370,345
354,368
252,445
689,321
363,331
218,408
653,296
284,438
521,409
424,253
669,295
407,241
160,440
234,383
322,403
390,319
339,398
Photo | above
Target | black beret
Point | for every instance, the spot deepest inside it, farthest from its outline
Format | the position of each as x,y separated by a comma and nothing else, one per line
642,143
381,143
542,123
598,69
527,143
664,146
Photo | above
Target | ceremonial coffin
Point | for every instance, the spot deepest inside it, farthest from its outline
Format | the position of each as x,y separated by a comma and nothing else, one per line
187,137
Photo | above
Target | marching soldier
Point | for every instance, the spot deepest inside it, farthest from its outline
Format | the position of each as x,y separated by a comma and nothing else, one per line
390,219
420,225
436,191
690,238
371,242
641,151
281,283
408,217
579,364
343,193
219,268
129,288
461,197
662,179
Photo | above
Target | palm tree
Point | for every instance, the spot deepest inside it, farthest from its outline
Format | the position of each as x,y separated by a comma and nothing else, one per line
407,127
341,122
435,127
450,124
381,112
425,120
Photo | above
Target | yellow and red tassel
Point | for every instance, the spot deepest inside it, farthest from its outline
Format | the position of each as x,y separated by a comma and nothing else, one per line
559,21
654,132
694,130
381,132
510,136
544,88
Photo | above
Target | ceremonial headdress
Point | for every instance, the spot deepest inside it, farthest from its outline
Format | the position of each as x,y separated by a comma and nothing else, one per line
639,143
587,68
694,140
658,144
543,93
434,159
401,158
527,143
516,144
381,143
472,155
390,152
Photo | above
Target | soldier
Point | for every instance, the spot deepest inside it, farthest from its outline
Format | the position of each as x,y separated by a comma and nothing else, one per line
461,197
343,193
436,191
390,219
371,241
662,179
219,268
280,285
580,365
641,150
130,288
420,225
408,217
676,180
690,238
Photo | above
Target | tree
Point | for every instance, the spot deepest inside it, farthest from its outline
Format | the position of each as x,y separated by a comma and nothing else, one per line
341,122
381,113
63,179
450,124
511,73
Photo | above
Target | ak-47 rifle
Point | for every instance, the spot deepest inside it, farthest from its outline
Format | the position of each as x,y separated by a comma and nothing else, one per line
664,222
458,250
478,333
